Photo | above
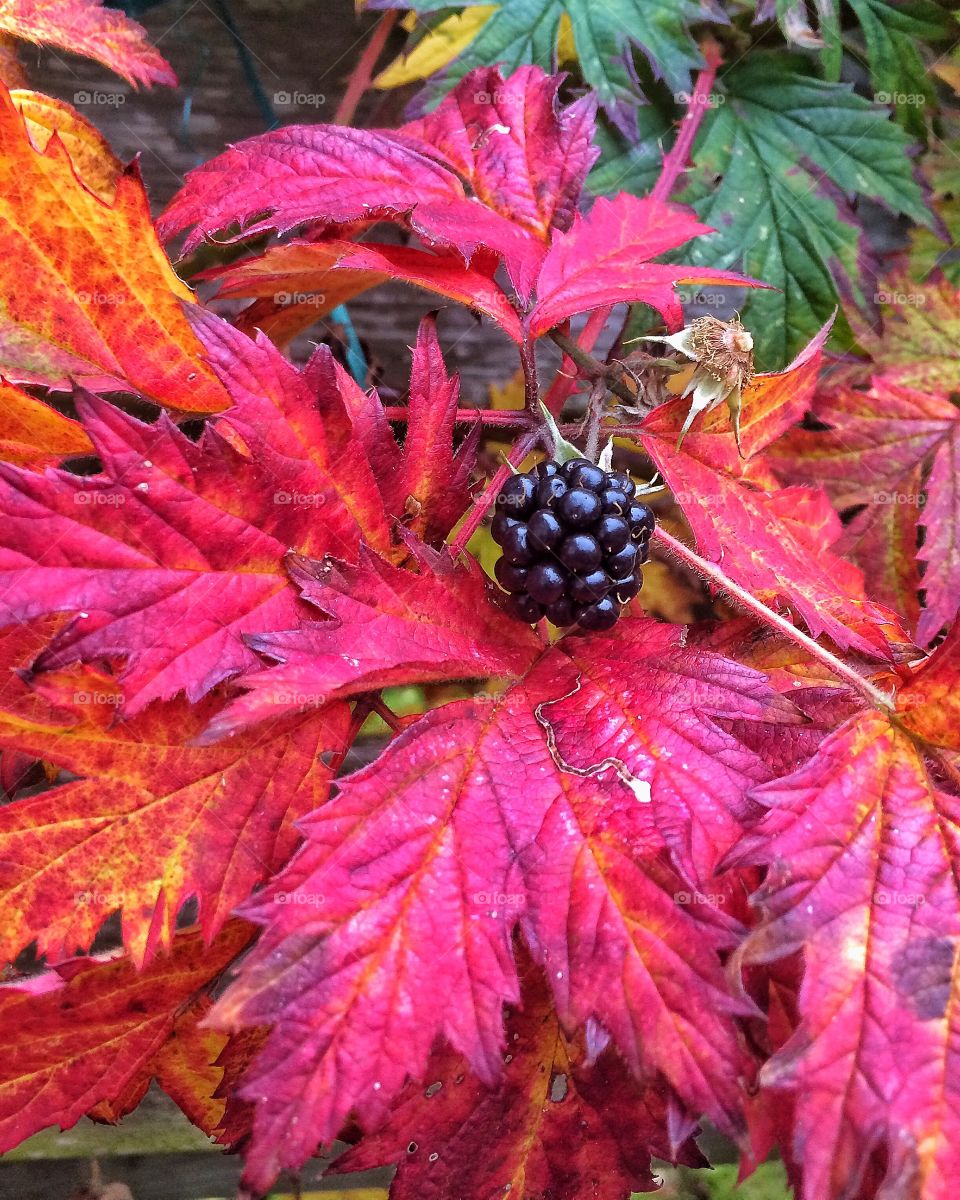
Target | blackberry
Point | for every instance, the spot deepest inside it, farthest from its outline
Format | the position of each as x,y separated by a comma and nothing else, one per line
574,538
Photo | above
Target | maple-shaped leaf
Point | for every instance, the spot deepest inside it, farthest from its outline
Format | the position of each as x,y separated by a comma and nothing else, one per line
662,708
175,550
556,1124
384,626
518,150
89,1034
605,36
862,852
318,275
917,343
99,303
338,176
436,481
148,820
34,434
776,545
523,161
87,27
604,259
392,925
893,449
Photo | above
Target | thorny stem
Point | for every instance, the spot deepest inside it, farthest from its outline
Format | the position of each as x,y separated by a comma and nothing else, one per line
531,385
564,382
675,162
363,72
872,694
611,373
521,448
468,416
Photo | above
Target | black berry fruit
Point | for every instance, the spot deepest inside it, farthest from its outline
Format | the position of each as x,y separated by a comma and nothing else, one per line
573,538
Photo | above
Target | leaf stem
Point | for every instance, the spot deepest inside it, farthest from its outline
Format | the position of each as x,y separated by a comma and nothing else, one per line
592,368
521,448
872,694
564,382
469,416
675,161
362,73
531,384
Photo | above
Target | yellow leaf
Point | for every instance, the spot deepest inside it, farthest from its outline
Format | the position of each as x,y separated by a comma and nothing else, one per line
566,49
439,47
95,162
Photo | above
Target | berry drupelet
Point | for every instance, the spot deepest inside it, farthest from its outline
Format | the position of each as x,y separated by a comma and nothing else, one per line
573,538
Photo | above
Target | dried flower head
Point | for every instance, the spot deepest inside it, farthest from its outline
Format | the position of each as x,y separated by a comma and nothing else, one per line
723,352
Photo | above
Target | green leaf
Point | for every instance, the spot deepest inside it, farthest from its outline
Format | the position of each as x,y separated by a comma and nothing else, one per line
892,33
523,31
774,168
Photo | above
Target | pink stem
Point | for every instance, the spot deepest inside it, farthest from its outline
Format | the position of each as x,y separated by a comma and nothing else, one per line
362,73
566,378
521,448
872,694
468,416
675,162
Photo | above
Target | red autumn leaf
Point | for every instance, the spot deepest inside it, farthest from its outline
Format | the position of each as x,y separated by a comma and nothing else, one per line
332,272
98,303
176,549
776,545
411,880
521,153
387,626
93,1031
557,1124
152,820
87,27
523,161
646,699
863,853
436,481
605,259
893,449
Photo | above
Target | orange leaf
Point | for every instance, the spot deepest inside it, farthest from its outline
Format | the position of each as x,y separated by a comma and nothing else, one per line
152,820
32,434
89,296
88,1035
94,161
86,27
